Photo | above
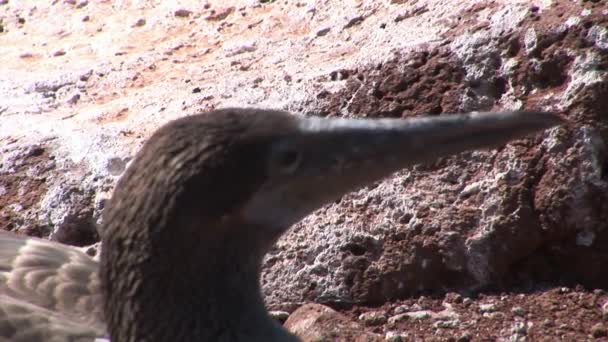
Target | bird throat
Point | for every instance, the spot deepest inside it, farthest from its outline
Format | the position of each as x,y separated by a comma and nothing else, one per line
182,285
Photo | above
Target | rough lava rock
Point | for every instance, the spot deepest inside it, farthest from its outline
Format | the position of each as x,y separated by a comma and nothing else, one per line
316,322
82,86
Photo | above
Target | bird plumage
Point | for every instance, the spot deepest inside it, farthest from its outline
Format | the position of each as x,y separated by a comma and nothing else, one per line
48,292
202,202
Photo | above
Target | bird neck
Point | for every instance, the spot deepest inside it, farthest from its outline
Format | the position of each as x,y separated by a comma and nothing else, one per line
204,287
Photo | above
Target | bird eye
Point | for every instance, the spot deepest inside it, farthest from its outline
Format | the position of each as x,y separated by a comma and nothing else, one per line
288,160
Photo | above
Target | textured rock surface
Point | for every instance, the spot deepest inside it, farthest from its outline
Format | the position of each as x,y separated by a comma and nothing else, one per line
82,84
564,314
315,322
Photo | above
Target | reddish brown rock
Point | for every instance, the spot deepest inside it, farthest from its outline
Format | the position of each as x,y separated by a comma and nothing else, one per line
513,219
315,322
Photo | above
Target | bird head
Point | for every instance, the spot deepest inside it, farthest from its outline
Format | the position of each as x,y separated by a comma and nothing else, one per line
209,194
268,169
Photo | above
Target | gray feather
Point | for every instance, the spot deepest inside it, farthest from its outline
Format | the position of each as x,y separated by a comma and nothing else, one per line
48,292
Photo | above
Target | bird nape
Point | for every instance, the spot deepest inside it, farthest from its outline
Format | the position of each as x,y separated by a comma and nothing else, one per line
205,198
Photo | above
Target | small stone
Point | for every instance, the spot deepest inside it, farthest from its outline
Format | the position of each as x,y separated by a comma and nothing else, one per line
315,322
3,2
35,151
26,55
74,99
140,22
547,323
58,53
280,316
85,75
420,314
373,318
599,330
92,250
465,337
605,311
240,49
453,297
518,310
494,315
401,309
86,18
354,21
69,2
519,328
393,336
82,4
449,324
220,15
487,307
416,307
182,13
467,301
398,318
323,32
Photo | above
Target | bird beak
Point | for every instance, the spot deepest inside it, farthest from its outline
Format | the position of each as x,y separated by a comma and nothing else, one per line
341,155
387,145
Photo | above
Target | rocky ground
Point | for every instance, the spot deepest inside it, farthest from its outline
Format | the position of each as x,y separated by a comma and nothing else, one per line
508,244
541,314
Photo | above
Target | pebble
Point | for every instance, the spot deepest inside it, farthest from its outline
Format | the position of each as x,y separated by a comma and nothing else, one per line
450,324
465,337
494,315
519,328
220,15
182,13
280,316
401,309
599,330
518,310
398,318
323,32
487,307
393,336
74,99
420,314
140,22
373,318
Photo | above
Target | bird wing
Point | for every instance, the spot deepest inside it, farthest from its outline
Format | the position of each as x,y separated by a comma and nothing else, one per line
24,322
47,290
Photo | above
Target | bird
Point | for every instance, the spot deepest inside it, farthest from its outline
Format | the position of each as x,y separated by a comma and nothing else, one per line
191,218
